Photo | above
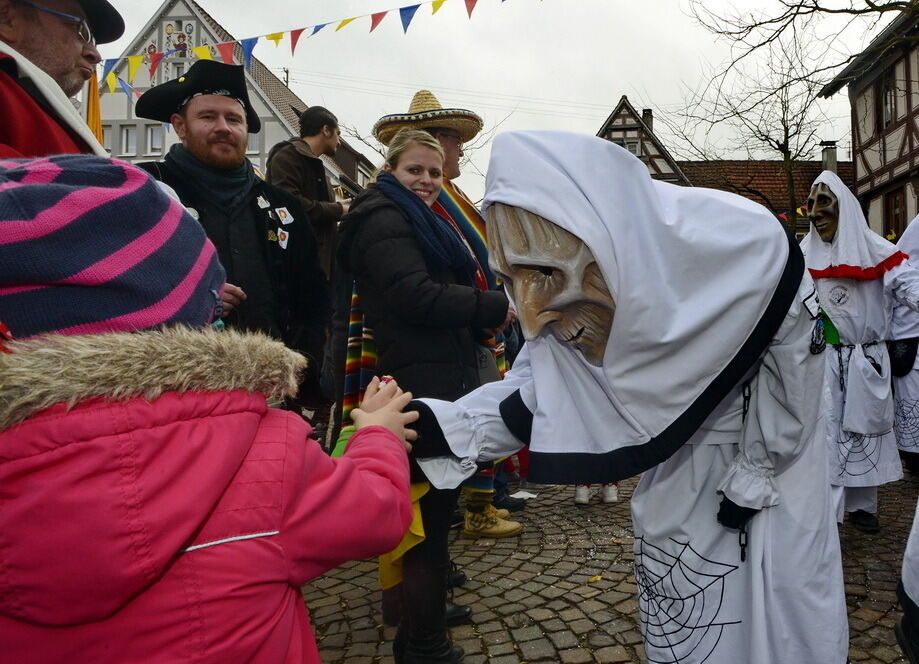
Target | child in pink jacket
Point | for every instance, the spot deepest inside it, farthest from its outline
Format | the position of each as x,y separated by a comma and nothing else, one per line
154,507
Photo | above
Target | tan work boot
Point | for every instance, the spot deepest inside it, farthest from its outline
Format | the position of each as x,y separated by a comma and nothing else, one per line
485,524
497,512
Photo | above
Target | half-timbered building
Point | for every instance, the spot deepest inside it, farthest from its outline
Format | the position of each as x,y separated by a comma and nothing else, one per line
883,87
635,133
761,180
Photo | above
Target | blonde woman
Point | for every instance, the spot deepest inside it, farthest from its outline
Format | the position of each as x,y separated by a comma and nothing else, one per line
416,277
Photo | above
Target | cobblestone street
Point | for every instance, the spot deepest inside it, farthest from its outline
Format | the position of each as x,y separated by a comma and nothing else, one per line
563,591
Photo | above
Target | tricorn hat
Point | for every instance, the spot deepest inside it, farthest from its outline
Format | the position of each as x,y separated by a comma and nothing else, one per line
104,20
205,77
426,112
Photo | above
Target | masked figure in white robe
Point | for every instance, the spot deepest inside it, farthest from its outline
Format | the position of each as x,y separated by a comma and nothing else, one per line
860,276
668,333
905,369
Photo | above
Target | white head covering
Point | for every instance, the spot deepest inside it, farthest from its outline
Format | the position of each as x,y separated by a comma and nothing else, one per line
856,252
905,323
701,279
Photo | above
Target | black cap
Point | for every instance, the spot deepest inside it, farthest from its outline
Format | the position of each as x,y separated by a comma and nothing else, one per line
205,77
104,20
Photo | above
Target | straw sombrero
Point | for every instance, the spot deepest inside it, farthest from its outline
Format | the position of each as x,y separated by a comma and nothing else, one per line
425,112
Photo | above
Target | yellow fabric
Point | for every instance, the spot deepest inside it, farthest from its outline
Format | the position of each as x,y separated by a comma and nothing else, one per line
390,570
93,111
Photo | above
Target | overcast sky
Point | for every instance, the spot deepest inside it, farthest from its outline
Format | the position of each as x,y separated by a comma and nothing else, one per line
527,64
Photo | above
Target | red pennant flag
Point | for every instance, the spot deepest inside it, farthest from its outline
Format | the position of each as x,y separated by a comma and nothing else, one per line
470,5
155,62
294,38
226,52
376,18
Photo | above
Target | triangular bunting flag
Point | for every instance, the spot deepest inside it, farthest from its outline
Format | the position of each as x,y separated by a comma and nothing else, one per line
167,127
276,37
436,5
155,62
202,52
346,22
111,81
376,18
226,52
125,87
247,46
108,66
134,63
317,28
295,37
470,5
407,14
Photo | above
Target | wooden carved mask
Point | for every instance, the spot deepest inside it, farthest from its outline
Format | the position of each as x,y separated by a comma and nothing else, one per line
823,211
552,278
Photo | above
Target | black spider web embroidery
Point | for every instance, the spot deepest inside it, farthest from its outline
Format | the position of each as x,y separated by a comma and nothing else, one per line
906,422
679,597
858,453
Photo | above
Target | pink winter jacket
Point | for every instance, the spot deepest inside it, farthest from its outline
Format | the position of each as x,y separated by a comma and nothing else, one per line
176,524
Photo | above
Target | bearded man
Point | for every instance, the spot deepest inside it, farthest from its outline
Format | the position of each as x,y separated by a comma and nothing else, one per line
860,277
668,334
263,237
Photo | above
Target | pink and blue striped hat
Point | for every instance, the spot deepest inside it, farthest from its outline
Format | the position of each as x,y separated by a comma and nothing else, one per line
90,245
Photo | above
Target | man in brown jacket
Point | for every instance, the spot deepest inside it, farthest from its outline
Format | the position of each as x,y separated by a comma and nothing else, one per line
295,166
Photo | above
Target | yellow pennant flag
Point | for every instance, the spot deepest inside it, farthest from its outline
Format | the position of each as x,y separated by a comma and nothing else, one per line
202,52
276,37
346,22
111,81
134,63
436,5
93,108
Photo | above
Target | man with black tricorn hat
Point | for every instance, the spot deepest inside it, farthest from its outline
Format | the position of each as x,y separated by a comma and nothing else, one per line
263,236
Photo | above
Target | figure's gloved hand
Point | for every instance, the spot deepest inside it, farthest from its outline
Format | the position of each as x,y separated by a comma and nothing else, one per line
732,515
430,441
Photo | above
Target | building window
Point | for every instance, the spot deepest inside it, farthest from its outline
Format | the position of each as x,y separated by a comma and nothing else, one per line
155,139
129,140
894,214
107,137
178,69
633,145
255,144
886,100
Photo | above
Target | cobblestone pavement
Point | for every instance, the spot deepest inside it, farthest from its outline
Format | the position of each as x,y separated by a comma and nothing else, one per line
563,591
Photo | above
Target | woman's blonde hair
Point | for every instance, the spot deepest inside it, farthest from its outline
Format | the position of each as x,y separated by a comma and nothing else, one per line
405,138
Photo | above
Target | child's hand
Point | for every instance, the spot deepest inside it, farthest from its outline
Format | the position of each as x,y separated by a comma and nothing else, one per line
379,393
389,414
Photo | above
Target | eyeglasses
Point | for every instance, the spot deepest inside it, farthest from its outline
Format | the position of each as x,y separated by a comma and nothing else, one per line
83,30
451,135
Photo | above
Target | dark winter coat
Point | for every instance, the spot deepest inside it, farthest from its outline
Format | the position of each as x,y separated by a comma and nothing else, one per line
293,167
299,292
425,325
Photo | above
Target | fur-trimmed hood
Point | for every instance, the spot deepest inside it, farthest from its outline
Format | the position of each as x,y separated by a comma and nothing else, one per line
114,451
43,371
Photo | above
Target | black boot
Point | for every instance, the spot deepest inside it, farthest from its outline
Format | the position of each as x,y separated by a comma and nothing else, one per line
437,650
456,577
457,615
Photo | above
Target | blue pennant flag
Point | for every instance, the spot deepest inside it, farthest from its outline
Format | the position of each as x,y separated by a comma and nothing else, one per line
317,28
126,87
107,67
247,46
407,14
